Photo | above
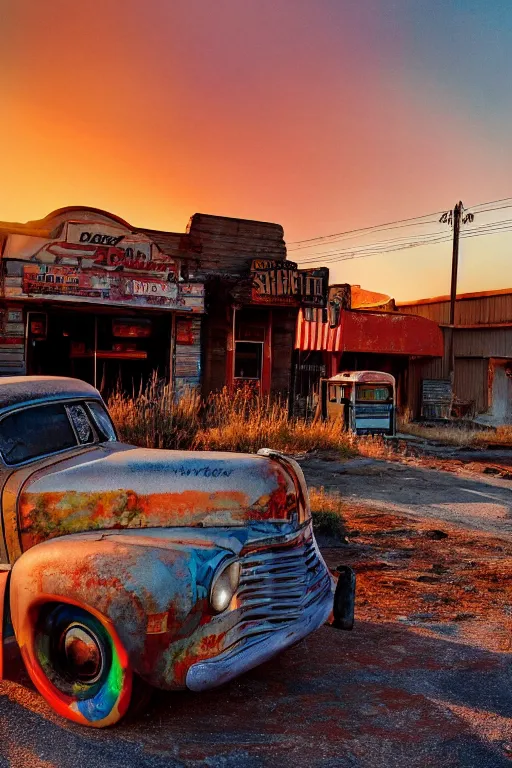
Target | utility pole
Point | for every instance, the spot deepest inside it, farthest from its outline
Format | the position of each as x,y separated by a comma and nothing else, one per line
453,219
457,213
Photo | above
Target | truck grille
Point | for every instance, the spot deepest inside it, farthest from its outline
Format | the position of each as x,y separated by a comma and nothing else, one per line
278,584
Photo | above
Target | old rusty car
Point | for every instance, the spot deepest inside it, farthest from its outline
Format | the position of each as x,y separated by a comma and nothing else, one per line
122,564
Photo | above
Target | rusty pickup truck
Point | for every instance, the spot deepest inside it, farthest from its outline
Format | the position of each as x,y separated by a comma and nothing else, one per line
124,568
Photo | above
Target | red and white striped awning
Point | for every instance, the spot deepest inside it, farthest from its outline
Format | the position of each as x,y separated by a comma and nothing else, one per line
314,335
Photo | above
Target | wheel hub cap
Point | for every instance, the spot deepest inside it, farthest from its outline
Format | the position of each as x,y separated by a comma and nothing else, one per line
83,654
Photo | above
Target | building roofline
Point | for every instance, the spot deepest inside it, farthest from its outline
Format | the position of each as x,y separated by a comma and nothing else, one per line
38,225
460,297
235,218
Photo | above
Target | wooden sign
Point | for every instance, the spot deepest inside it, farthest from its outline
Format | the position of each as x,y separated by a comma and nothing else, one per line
282,282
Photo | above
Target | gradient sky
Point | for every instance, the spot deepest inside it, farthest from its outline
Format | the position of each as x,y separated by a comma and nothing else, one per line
322,115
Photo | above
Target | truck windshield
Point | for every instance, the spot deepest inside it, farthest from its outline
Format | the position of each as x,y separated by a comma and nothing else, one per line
44,429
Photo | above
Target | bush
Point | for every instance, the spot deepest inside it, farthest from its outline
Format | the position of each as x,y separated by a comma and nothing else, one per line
327,513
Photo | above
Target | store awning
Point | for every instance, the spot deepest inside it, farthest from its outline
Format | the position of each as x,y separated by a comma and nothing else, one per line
389,333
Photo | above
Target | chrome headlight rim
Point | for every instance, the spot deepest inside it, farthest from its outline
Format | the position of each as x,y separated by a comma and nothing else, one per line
231,568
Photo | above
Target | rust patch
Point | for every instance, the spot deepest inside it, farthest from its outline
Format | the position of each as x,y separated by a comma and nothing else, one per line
46,515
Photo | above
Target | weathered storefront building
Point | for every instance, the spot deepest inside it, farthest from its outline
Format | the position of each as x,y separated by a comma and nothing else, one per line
482,352
253,297
85,294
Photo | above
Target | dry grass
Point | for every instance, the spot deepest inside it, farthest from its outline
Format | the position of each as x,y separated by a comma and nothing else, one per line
243,421
240,421
327,511
152,418
375,447
461,436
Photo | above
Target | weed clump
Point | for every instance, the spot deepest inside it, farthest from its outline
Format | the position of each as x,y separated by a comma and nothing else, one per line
327,513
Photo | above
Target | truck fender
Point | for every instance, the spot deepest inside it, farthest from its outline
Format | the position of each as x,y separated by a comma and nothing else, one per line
4,579
148,593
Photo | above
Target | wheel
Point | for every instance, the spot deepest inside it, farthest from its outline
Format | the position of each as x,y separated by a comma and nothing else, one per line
78,664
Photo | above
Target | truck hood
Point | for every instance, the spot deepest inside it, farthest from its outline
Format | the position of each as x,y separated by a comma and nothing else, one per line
120,486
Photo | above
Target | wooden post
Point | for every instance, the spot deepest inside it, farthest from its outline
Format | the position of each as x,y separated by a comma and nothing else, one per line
450,357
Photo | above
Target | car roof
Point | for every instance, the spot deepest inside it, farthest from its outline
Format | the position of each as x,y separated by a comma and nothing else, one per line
369,377
20,390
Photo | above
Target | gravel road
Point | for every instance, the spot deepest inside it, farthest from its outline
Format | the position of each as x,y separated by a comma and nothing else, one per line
463,497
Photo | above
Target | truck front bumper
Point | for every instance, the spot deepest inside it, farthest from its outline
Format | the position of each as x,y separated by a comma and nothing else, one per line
249,654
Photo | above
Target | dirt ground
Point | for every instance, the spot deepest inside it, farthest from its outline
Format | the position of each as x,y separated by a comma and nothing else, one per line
425,678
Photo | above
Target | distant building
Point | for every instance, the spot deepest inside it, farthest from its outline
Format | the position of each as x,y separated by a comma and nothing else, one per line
360,331
482,340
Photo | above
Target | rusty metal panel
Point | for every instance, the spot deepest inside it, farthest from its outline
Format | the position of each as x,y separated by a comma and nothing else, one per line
471,382
484,342
373,332
488,308
145,488
390,333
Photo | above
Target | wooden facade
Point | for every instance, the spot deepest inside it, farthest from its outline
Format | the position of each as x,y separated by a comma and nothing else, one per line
244,338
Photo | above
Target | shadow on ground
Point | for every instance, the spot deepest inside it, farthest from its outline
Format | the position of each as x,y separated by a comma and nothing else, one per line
382,695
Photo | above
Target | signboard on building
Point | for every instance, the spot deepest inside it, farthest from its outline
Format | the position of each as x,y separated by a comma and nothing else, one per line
282,283
97,262
436,398
12,341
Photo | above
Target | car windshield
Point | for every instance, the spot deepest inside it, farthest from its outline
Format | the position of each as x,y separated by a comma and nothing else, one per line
373,393
45,429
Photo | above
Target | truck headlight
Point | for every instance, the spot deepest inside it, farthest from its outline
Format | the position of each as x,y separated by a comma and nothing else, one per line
224,585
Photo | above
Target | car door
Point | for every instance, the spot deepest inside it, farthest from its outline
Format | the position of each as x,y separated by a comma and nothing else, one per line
5,570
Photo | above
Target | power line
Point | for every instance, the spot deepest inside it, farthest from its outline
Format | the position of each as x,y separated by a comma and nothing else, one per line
388,224
350,236
354,252
377,244
383,247
321,239
498,208
490,202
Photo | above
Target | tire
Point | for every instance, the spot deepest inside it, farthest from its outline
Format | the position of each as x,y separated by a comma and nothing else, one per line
78,664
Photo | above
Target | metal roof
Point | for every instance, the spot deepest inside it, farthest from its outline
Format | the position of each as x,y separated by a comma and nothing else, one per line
17,390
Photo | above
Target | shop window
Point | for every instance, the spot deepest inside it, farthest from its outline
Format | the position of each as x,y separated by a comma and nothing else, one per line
248,360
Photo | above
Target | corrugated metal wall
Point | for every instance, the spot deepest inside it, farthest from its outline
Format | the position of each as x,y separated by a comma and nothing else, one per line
484,342
473,347
476,310
471,383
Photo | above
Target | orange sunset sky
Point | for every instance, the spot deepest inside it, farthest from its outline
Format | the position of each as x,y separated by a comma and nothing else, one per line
322,115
